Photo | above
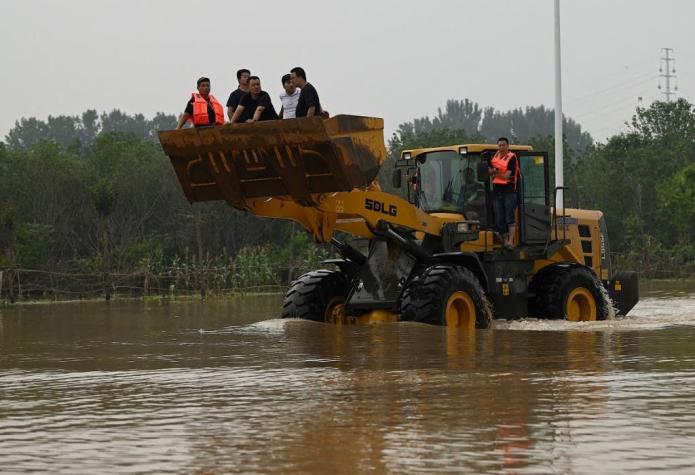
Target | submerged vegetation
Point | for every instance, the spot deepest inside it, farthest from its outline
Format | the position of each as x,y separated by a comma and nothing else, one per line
90,205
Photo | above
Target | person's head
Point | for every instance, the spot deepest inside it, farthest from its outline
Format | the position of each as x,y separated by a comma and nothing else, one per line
242,76
254,85
288,85
298,76
503,145
203,85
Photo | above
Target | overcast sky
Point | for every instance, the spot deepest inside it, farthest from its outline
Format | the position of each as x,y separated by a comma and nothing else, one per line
392,59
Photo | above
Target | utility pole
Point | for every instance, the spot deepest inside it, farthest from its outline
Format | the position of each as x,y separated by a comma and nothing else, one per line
668,73
559,176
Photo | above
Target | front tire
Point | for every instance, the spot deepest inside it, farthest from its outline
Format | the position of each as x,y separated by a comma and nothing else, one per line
317,295
570,293
447,295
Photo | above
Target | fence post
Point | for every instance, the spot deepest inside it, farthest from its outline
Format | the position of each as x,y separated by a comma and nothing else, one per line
146,283
1,273
10,286
107,286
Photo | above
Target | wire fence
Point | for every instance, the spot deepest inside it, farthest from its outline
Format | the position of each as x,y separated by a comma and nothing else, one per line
19,284
36,284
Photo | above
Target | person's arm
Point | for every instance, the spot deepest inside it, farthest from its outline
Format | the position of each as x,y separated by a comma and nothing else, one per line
312,102
185,117
263,104
257,114
232,104
237,113
511,169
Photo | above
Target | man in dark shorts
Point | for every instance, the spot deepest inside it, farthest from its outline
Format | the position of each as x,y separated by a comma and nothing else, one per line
309,104
254,105
504,170
242,76
202,108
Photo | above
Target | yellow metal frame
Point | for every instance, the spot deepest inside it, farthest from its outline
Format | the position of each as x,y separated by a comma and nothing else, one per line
470,148
353,212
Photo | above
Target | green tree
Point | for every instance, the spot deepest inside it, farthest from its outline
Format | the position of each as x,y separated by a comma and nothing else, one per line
639,179
677,200
488,124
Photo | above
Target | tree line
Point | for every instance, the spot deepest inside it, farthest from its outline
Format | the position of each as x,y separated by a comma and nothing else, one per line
94,196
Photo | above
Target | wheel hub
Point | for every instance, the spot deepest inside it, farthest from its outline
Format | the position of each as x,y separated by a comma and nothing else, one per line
460,311
581,306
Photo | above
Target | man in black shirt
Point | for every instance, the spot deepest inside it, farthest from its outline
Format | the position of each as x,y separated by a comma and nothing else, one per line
242,76
308,104
255,105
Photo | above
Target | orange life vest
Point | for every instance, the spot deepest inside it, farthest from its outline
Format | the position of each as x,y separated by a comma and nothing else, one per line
200,110
501,164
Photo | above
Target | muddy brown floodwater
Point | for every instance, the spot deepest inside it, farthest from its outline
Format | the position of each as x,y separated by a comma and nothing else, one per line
222,386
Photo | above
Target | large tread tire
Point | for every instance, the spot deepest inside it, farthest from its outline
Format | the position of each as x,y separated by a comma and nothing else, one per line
311,294
552,287
426,297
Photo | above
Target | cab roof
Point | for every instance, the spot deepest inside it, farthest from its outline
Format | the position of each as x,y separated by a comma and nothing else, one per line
470,147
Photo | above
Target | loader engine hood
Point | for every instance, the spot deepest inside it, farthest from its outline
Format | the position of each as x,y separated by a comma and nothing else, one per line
293,157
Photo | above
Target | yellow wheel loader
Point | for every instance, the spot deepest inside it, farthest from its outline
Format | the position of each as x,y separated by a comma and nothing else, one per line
433,255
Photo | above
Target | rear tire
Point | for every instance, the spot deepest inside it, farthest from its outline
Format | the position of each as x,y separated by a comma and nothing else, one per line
571,293
316,295
447,295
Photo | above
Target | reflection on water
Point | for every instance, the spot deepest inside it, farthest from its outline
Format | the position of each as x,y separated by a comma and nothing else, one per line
222,387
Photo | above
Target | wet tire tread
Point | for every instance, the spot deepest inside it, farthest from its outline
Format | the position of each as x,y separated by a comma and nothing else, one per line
309,295
428,294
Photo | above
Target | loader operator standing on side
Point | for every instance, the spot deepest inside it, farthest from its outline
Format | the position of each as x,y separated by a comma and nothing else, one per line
202,109
504,170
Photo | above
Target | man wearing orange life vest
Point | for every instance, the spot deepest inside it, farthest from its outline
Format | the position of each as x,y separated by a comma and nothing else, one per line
202,109
504,170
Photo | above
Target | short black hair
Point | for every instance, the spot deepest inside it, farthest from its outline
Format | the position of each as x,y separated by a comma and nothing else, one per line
503,139
285,78
203,79
299,72
254,78
240,72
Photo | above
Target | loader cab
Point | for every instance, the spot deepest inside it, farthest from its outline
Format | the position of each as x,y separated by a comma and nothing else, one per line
454,179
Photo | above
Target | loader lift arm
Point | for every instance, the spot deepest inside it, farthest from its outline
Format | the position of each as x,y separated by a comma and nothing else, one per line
319,173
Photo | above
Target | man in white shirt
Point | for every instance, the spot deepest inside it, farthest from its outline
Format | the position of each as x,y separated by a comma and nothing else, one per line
289,98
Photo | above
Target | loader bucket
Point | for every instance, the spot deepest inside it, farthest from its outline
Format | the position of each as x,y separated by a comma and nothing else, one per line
293,157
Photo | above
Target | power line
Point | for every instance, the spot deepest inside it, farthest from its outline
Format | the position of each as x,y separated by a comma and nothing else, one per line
641,78
668,73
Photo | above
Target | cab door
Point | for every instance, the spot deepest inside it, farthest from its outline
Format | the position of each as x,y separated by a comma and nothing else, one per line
534,203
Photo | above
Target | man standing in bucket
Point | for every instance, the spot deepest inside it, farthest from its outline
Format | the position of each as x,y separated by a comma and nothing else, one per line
308,104
504,170
242,77
202,109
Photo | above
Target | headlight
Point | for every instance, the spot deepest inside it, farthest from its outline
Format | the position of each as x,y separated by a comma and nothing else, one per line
463,150
462,227
406,156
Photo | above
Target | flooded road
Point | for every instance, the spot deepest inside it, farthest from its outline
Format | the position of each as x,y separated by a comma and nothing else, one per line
218,387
